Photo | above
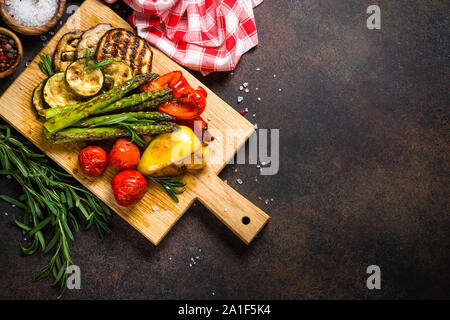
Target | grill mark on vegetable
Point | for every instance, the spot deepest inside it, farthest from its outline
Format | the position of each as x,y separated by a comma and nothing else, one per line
133,53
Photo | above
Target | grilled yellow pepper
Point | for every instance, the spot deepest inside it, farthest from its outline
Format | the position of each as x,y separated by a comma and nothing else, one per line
167,149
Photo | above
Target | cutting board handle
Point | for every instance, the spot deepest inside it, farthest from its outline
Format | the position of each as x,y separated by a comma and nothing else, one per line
236,212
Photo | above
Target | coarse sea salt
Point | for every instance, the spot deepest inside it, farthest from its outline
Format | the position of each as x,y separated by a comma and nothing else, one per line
32,13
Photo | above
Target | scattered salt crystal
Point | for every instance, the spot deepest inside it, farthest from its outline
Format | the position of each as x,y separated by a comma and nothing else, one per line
192,259
13,205
213,293
258,69
245,84
190,265
259,198
170,258
199,250
235,170
209,119
259,99
6,213
197,257
266,201
247,90
43,38
256,126
263,163
253,115
274,75
239,99
256,179
8,177
226,181
279,89
271,199
241,88
209,174
246,109
155,208
258,166
225,209
232,73
239,181
32,13
256,88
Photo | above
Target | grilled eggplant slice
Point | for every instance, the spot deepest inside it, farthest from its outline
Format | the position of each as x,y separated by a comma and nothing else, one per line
90,38
66,50
116,73
125,45
57,93
38,100
84,83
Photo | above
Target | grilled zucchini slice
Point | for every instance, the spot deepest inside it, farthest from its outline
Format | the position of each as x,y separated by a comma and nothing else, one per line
82,82
38,100
125,45
116,73
57,93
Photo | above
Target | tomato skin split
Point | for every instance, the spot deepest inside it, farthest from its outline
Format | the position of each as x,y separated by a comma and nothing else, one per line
93,161
129,187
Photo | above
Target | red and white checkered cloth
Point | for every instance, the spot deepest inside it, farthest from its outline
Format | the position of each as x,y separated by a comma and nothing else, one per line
204,35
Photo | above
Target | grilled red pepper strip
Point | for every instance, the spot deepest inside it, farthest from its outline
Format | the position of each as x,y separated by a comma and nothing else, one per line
187,104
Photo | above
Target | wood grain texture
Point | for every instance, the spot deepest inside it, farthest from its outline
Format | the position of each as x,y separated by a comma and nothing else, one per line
224,122
32,31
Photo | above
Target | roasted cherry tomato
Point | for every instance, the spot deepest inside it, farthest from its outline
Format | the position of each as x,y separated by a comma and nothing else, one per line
129,187
93,161
124,155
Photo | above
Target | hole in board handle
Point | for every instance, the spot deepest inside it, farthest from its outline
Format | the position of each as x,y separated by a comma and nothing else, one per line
245,220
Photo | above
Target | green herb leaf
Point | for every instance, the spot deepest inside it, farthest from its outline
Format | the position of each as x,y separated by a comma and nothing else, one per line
100,64
171,185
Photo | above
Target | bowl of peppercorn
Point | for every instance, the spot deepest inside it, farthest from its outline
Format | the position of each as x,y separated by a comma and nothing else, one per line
11,52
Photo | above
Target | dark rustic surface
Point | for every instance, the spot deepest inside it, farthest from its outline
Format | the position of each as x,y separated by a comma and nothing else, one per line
363,179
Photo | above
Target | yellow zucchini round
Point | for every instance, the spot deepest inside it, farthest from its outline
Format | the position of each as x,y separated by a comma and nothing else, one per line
117,72
83,82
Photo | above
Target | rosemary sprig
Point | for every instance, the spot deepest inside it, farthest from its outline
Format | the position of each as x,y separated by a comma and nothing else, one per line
46,65
100,64
171,185
52,201
88,58
133,134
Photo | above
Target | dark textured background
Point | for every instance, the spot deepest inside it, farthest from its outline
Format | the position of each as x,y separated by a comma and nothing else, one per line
363,179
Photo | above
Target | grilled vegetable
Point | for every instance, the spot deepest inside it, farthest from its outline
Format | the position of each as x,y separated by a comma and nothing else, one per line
57,93
151,104
38,100
167,149
89,39
65,52
124,155
129,187
85,109
93,161
123,103
123,44
116,73
83,82
122,117
104,133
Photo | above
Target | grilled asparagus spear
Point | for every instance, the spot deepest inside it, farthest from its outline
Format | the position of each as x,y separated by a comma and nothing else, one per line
103,133
151,104
113,119
85,109
154,99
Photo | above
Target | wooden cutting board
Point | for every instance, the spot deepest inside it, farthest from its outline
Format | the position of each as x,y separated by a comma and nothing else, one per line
156,213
